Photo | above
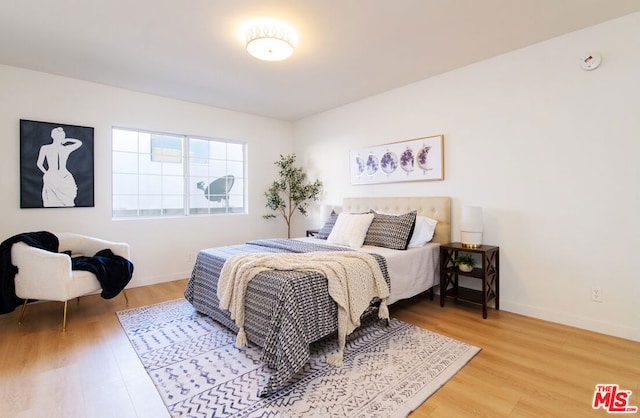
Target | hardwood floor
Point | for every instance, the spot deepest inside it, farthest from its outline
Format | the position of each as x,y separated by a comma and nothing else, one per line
527,367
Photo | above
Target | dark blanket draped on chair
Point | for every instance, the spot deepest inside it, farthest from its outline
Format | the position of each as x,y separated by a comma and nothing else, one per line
112,271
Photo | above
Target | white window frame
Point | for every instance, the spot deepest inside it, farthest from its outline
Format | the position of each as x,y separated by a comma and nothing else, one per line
128,178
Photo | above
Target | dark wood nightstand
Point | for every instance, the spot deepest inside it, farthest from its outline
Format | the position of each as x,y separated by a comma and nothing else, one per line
312,232
488,273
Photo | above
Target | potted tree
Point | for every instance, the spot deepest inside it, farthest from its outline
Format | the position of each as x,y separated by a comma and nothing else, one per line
291,192
465,263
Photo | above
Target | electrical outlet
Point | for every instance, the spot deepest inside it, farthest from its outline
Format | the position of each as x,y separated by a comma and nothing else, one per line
596,293
191,257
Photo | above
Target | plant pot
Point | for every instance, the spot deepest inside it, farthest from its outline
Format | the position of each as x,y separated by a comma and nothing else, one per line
465,267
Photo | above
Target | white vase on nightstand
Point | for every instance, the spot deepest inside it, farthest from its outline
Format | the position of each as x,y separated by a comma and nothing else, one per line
465,267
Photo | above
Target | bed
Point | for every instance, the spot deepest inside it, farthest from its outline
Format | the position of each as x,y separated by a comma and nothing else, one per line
285,311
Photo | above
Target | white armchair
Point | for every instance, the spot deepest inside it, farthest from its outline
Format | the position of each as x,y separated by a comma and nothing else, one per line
46,275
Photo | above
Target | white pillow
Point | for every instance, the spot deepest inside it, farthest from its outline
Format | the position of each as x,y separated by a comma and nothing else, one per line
350,229
422,232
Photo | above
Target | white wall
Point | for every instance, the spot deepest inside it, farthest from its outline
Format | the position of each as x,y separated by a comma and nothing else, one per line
548,150
159,247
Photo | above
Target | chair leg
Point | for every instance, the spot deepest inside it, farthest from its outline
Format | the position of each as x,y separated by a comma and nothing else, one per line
24,306
64,317
64,314
126,299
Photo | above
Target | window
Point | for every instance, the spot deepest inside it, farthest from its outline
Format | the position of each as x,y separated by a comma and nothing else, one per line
156,174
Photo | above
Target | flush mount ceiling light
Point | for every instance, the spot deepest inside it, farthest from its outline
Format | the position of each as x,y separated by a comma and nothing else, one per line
270,40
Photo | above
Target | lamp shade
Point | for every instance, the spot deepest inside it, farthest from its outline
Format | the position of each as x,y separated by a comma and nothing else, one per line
471,226
325,212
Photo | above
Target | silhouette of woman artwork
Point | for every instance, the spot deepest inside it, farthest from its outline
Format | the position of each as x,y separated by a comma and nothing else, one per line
59,188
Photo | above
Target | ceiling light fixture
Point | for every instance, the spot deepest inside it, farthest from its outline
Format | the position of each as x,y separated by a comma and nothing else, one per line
270,40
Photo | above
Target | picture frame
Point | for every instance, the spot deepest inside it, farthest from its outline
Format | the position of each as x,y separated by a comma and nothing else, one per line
419,159
56,165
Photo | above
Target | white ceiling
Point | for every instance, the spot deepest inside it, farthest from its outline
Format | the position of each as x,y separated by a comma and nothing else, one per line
347,49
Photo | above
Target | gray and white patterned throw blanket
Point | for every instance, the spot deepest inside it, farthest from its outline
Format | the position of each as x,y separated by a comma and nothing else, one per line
285,311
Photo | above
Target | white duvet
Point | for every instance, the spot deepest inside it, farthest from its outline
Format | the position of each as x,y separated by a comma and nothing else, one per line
411,271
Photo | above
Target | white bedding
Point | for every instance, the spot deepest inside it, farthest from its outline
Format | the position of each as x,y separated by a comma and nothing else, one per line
411,271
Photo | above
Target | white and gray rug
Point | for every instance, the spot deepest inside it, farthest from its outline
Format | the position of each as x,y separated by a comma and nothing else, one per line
198,371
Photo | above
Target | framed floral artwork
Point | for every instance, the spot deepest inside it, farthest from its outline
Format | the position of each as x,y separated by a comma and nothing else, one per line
417,159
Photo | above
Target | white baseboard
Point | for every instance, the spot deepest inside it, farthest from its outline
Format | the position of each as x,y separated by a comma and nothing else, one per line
149,280
564,318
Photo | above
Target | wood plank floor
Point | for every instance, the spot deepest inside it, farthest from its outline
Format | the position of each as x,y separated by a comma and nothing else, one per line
527,367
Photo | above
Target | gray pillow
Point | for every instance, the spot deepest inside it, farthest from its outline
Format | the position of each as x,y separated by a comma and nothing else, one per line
328,226
391,231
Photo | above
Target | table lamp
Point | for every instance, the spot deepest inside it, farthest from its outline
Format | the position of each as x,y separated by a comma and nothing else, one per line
471,226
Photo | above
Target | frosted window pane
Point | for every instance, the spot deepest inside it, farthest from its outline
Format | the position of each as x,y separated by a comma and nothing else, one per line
125,162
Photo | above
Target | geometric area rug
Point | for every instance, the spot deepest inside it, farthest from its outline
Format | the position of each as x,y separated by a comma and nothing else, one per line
388,371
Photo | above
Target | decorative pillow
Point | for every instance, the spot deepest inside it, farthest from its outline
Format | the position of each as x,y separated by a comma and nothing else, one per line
350,229
391,231
423,232
324,232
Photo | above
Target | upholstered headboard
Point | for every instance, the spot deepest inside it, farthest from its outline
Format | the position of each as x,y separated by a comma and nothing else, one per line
438,208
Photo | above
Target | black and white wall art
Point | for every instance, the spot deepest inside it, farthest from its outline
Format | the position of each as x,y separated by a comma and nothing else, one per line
56,165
